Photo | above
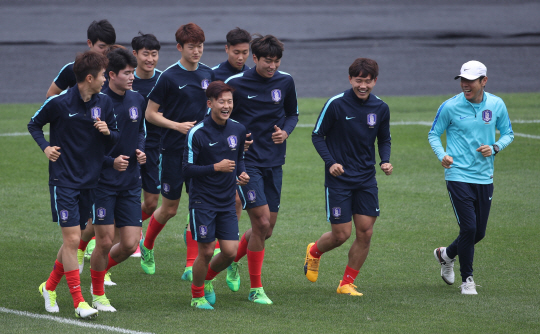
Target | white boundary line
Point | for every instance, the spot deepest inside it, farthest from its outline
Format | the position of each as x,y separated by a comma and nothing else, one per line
70,322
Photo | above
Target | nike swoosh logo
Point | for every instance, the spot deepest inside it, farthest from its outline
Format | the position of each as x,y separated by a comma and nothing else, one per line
490,198
115,115
212,144
182,86
377,210
348,118
250,97
71,115
463,117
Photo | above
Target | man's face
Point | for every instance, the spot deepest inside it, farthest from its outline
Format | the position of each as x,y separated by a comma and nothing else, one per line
123,80
99,46
362,87
266,66
146,59
238,54
473,89
191,52
96,82
221,107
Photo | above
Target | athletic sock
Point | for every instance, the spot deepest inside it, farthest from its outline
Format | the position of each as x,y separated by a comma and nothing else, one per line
211,274
145,216
255,262
242,248
445,256
83,244
55,276
111,264
349,276
217,245
197,291
74,283
98,282
314,251
154,227
192,250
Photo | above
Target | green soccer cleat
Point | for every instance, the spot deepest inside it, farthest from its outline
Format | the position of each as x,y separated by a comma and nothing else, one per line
258,296
107,279
233,277
84,311
216,251
188,274
102,303
90,248
209,293
147,259
50,299
201,303
80,259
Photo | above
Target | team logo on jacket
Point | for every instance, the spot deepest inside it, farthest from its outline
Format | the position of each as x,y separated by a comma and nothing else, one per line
276,95
205,83
233,142
101,213
203,231
96,113
336,212
487,115
166,188
251,196
134,113
372,119
64,215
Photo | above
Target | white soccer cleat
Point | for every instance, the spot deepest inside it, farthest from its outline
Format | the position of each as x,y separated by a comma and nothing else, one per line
84,311
468,287
50,299
447,267
102,303
108,281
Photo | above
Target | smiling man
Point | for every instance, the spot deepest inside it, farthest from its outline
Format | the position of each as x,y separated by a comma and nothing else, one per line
344,136
470,120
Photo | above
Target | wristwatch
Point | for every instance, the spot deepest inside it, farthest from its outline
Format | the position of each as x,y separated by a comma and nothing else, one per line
496,149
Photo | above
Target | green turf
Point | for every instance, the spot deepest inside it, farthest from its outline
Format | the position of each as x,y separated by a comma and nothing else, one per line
403,292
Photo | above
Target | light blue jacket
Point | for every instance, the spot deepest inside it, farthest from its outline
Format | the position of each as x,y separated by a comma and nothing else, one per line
467,128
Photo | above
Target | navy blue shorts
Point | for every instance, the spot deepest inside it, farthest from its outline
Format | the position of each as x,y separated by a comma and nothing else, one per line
70,207
341,204
120,208
172,177
207,225
264,187
150,171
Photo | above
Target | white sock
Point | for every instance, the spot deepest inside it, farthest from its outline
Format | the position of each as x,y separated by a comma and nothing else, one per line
444,256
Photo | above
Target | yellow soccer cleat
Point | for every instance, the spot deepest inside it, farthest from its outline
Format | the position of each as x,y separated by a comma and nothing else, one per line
348,289
311,265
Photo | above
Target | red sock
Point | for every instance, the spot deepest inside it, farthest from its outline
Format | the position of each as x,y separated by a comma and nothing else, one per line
55,276
74,284
217,245
192,250
112,263
255,262
145,216
242,248
93,238
314,251
211,274
154,227
98,281
83,244
197,291
349,276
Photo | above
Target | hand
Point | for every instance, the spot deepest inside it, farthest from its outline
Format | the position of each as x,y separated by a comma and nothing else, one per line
279,136
447,161
485,150
225,166
247,143
102,127
52,153
336,170
185,126
243,179
387,168
121,163
141,156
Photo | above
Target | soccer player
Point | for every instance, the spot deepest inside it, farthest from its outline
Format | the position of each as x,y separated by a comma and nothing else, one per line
213,159
344,136
470,120
146,49
265,103
237,49
118,195
101,36
82,123
180,92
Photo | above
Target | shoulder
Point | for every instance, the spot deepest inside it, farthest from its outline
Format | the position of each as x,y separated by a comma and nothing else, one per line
216,67
494,99
377,101
235,78
237,125
204,67
335,100
134,96
68,66
452,102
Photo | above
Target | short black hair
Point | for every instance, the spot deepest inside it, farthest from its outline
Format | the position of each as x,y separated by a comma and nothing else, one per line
101,30
266,46
120,59
238,36
145,41
89,62
363,67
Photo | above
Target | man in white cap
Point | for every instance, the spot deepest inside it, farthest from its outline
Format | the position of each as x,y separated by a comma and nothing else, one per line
470,120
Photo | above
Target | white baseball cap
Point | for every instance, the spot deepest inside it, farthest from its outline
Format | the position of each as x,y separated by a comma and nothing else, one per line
472,70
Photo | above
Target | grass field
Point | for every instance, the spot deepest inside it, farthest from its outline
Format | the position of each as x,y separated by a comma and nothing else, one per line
403,292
